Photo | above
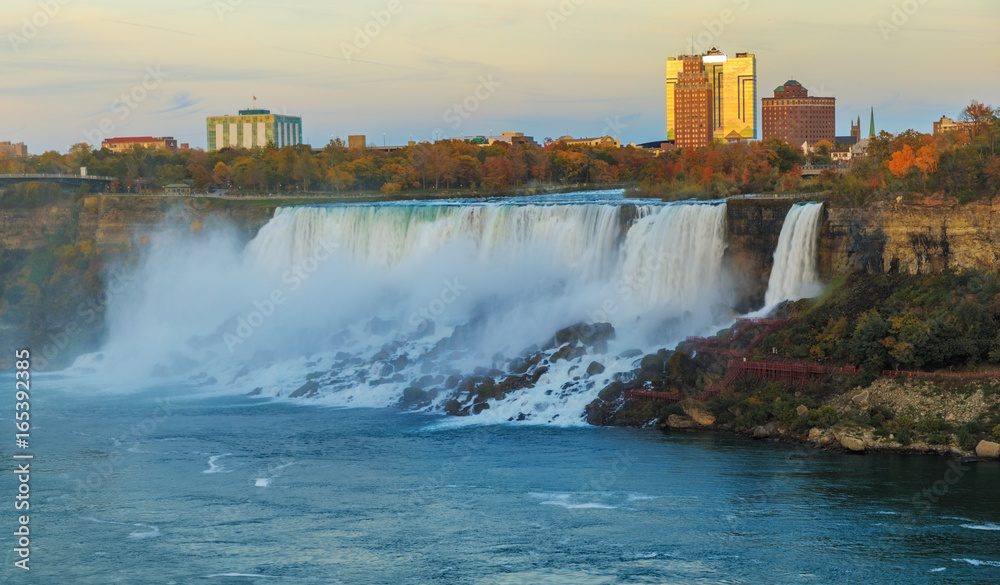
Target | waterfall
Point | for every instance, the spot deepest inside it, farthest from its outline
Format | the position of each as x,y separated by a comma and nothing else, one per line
351,305
794,275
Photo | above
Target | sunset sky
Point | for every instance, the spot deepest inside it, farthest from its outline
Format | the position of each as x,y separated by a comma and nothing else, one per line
543,67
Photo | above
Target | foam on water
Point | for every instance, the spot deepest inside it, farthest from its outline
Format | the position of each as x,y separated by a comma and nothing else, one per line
213,468
988,526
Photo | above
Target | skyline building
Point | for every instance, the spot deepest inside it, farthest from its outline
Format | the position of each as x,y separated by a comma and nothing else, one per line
253,128
693,104
733,82
798,119
125,143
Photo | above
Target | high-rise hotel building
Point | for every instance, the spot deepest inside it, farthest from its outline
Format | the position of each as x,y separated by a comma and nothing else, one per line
733,82
253,128
694,122
798,119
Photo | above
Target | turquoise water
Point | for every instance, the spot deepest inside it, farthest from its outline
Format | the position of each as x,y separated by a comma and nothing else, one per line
132,489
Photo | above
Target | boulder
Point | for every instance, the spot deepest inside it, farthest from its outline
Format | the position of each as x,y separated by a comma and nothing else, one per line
413,395
802,411
535,377
861,399
307,390
612,391
699,414
852,443
585,333
988,449
763,432
595,368
815,434
676,421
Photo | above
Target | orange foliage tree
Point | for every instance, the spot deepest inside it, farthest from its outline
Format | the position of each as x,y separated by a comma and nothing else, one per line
902,161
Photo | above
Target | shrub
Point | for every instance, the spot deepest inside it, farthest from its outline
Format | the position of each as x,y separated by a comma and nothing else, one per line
904,436
824,416
938,439
877,415
967,441
996,431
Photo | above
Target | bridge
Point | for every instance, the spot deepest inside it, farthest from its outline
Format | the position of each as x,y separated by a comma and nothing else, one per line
68,180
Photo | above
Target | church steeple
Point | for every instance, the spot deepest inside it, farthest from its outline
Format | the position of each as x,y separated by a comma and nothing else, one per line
871,129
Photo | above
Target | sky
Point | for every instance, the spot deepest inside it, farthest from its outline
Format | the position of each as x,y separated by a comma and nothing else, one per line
398,70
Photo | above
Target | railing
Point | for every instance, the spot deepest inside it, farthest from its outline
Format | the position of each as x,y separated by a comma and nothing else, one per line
55,176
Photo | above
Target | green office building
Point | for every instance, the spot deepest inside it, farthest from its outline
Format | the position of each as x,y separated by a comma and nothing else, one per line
253,128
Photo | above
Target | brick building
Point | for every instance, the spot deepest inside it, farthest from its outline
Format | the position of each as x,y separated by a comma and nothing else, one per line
796,118
692,100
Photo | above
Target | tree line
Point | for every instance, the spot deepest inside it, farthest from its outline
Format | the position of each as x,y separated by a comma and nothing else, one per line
963,163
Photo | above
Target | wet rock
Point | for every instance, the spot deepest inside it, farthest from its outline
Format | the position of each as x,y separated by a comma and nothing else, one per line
452,407
595,368
521,416
761,432
479,407
453,381
630,353
413,395
401,362
595,413
535,377
988,449
568,352
424,381
612,391
307,390
585,333
256,391
512,383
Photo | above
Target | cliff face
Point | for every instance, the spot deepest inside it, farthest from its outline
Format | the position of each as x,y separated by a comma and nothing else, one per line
921,237
753,227
114,220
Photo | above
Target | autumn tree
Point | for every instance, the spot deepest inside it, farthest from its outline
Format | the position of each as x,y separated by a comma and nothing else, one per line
901,162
